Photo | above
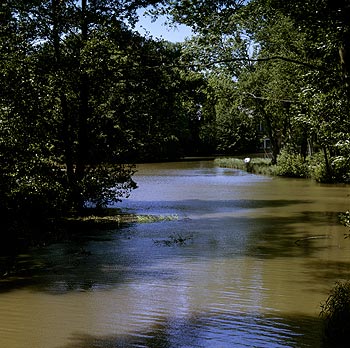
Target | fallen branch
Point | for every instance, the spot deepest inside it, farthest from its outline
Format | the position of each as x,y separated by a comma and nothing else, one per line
311,238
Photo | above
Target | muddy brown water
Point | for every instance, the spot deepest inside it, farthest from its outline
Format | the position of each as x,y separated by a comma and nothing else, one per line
259,255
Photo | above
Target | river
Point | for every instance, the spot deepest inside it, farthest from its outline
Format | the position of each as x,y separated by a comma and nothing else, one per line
258,256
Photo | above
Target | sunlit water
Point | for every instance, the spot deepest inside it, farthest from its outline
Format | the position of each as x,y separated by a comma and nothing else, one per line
247,275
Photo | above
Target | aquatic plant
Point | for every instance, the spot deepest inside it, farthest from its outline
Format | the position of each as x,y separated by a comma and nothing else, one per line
155,218
175,239
116,215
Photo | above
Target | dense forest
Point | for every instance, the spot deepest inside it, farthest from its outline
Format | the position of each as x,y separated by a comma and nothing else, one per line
84,96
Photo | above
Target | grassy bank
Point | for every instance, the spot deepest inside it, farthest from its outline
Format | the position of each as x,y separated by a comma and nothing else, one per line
113,218
261,166
103,219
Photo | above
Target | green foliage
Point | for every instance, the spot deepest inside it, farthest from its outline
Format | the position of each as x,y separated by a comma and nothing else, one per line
289,164
292,165
288,72
336,313
107,183
236,130
341,160
235,163
144,106
155,218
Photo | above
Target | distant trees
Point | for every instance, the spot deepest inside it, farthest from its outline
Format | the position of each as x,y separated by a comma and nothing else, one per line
235,127
289,69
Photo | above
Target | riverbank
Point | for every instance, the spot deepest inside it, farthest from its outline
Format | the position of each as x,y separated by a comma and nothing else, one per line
288,165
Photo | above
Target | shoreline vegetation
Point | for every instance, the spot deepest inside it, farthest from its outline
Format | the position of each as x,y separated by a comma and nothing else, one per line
290,165
108,218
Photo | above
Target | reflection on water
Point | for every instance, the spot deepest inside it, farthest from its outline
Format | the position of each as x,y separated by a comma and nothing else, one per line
263,255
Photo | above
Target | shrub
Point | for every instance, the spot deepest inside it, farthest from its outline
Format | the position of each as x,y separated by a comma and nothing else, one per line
336,314
292,165
318,169
345,218
340,168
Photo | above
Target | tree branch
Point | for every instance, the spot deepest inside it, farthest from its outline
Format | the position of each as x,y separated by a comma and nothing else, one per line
242,59
289,101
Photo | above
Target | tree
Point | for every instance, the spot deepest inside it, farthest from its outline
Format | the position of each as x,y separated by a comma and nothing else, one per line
272,84
92,97
61,62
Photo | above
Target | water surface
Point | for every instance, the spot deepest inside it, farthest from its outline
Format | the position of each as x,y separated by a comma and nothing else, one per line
260,255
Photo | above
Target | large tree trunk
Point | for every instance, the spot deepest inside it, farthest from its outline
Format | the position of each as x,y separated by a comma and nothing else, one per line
344,57
67,126
274,141
343,14
75,163
274,138
83,113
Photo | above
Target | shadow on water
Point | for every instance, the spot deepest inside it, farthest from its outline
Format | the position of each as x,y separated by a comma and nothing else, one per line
99,261
202,331
200,206
108,258
278,236
329,270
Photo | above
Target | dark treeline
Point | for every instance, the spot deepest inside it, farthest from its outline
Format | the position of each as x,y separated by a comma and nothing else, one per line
83,96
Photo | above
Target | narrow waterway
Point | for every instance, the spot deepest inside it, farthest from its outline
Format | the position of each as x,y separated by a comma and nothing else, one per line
258,256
